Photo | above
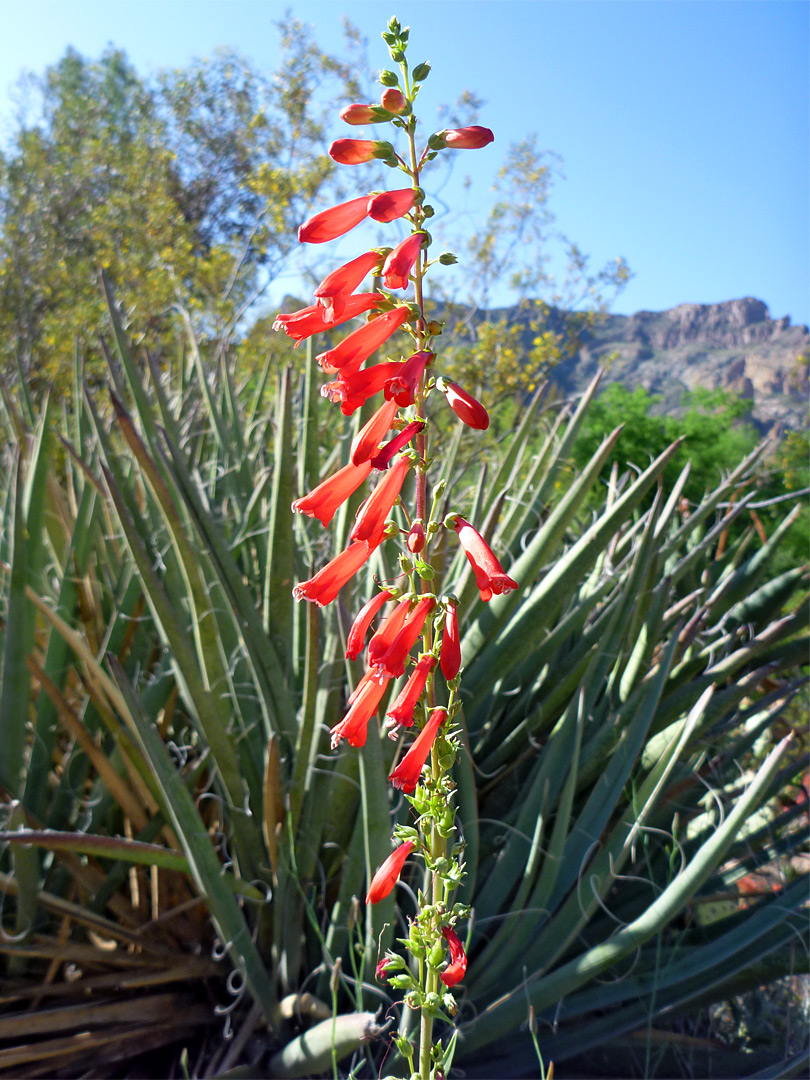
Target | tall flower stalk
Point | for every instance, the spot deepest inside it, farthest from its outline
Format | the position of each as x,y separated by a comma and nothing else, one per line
417,638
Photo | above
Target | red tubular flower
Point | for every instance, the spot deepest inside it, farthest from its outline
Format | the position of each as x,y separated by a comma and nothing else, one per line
392,663
335,289
327,583
355,390
334,222
401,712
360,344
315,319
370,519
358,151
323,500
464,405
359,114
400,261
489,574
468,138
415,540
382,459
450,654
457,968
366,442
359,628
354,724
394,101
388,874
406,775
381,641
390,205
404,384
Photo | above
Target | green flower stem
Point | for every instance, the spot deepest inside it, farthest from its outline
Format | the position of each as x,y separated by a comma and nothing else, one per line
435,842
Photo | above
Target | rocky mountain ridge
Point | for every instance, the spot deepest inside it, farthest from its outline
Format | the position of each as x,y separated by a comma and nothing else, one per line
734,345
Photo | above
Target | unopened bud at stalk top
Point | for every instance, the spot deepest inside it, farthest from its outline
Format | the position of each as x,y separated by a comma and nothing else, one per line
394,101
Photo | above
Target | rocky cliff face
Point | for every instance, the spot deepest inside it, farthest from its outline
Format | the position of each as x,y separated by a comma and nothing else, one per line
735,345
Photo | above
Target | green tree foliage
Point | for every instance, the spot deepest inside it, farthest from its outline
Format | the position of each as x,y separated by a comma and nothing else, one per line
716,432
88,185
190,184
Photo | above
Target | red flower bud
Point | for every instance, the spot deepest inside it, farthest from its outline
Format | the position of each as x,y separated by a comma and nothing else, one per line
371,517
450,655
393,446
333,222
402,388
359,114
390,205
394,101
457,968
406,775
388,874
354,724
468,138
335,289
382,967
401,712
464,405
323,500
415,541
366,442
358,151
359,628
489,574
358,346
327,583
315,319
400,262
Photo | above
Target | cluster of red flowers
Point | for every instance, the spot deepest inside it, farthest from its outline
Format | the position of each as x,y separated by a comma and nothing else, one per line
403,384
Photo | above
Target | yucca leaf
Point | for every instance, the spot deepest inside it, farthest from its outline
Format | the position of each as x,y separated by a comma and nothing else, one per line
513,642
508,1012
279,573
205,867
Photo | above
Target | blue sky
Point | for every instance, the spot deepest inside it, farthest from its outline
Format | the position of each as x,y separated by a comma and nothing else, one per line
683,126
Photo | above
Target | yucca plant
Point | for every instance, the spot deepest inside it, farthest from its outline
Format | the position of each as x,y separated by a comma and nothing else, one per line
183,852
165,757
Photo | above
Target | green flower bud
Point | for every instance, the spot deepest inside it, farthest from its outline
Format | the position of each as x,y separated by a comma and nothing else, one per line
436,956
447,258
417,950
404,1045
446,760
389,78
397,55
421,72
428,211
